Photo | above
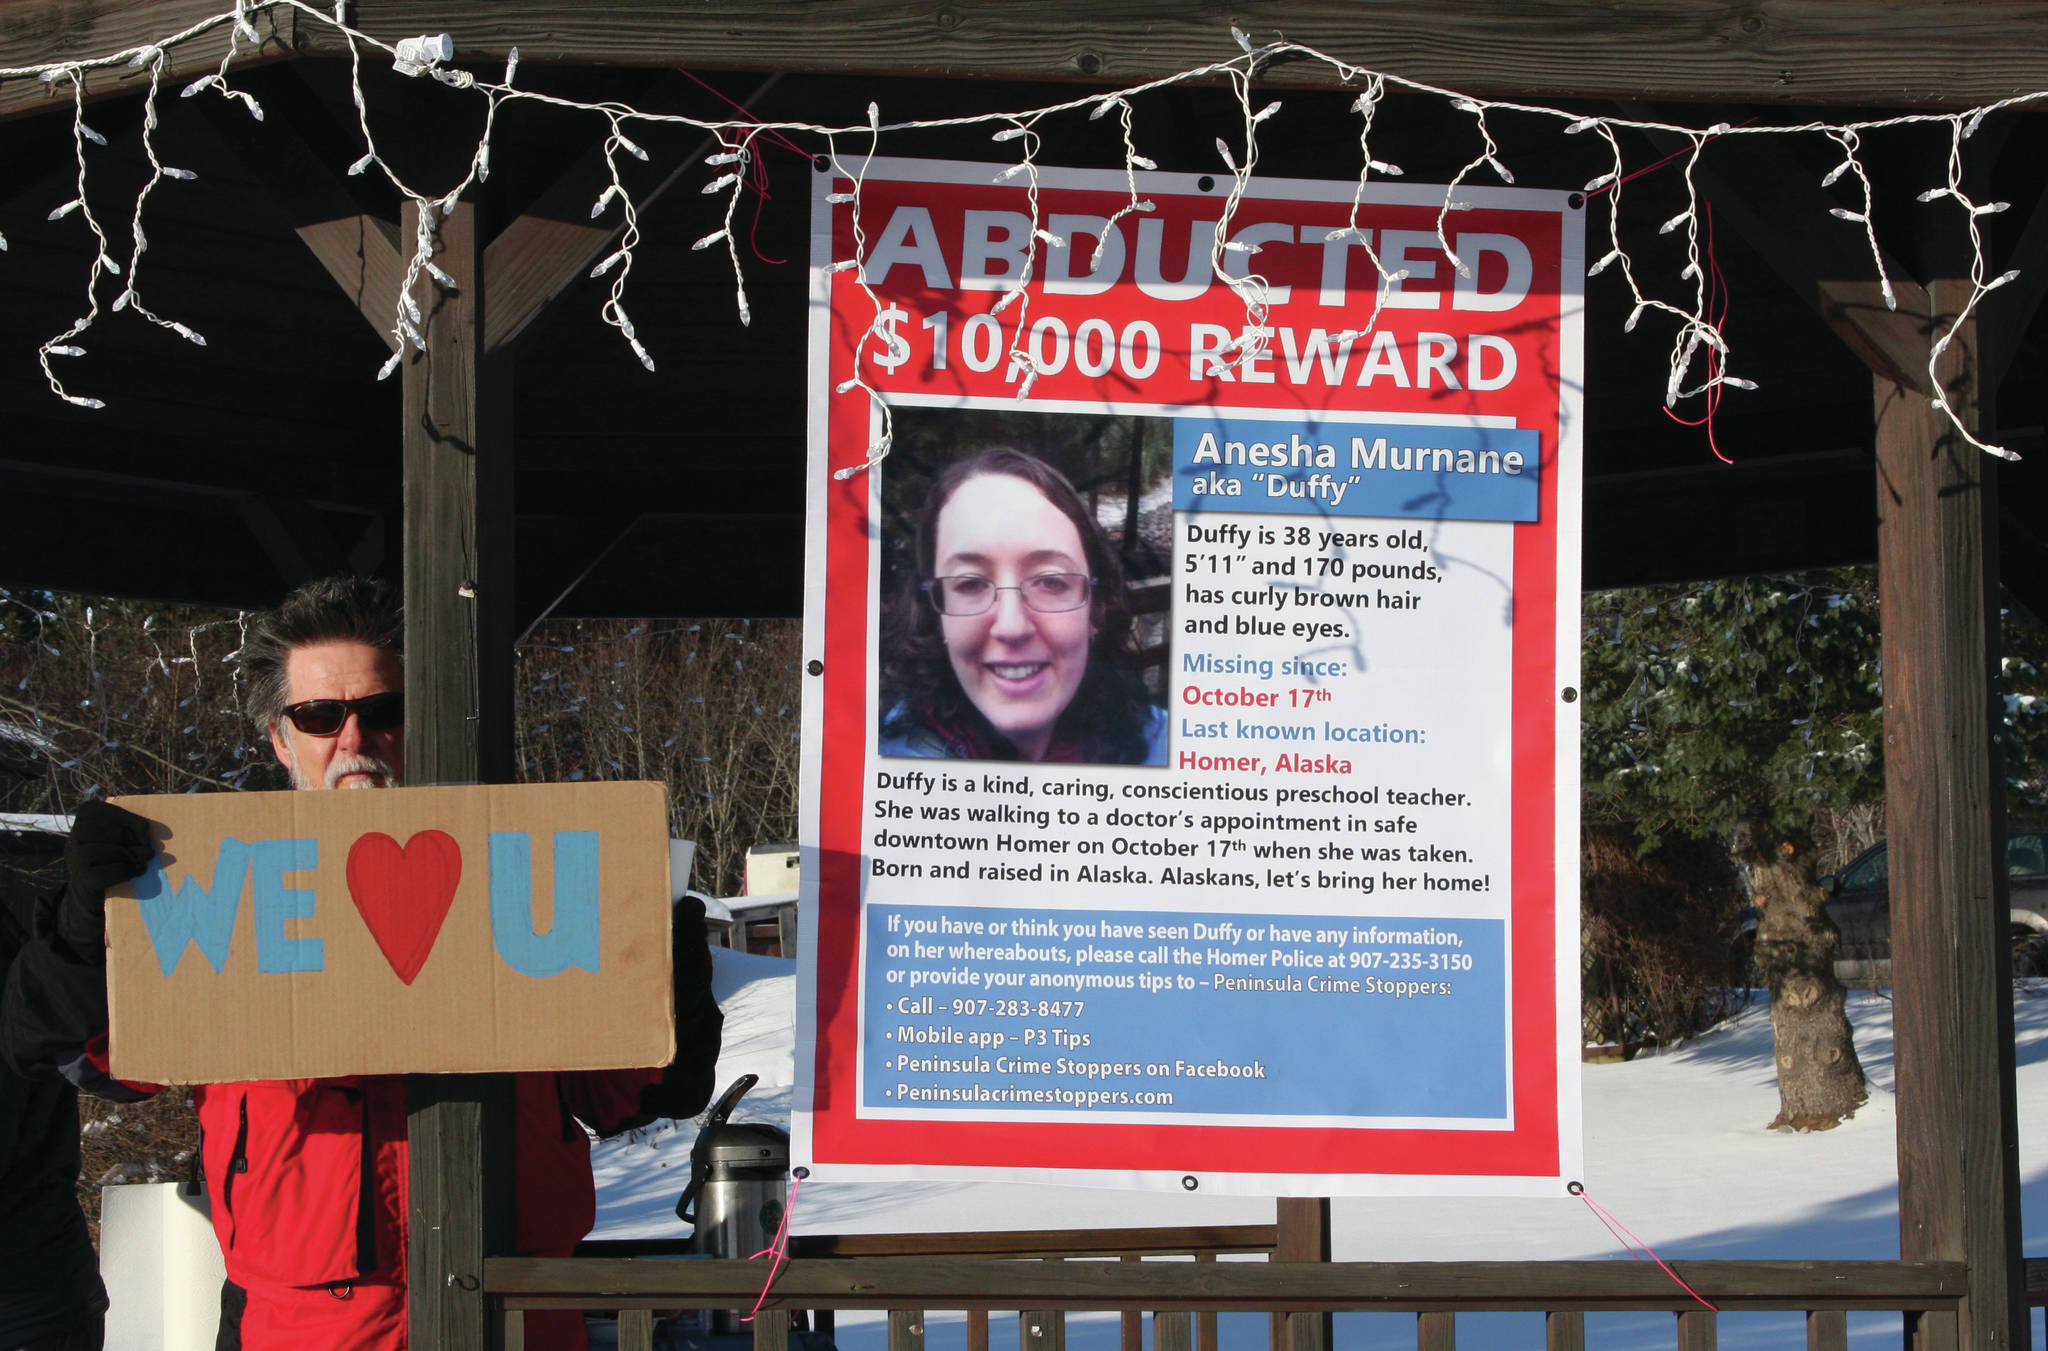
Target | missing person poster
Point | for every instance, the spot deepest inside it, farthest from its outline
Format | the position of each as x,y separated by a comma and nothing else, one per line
1190,779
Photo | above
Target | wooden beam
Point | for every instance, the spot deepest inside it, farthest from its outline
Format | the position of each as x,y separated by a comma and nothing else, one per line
33,32
1888,52
1944,802
1783,513
1908,53
361,254
1389,1287
293,535
1043,1242
458,665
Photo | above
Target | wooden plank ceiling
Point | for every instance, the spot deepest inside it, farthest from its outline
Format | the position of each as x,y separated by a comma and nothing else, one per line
224,474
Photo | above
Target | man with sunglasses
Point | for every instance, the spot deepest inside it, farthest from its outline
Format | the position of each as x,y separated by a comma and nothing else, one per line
308,1178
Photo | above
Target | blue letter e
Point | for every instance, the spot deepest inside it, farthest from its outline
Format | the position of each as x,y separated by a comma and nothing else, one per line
572,939
275,903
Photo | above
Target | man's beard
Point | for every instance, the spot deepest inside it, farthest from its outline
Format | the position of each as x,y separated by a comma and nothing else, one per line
384,776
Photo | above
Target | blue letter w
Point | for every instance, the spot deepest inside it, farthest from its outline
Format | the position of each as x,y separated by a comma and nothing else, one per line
195,914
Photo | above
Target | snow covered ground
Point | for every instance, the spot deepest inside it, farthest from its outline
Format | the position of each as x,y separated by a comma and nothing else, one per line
1675,1148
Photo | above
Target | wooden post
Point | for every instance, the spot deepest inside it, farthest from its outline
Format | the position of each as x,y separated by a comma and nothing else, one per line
1951,966
1304,1236
458,670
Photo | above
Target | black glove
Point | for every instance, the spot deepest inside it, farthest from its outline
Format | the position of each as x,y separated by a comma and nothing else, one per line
108,846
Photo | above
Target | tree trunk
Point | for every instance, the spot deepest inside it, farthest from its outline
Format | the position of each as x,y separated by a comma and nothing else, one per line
1820,1080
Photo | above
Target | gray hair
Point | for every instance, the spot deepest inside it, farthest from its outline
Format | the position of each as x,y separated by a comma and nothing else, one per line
331,609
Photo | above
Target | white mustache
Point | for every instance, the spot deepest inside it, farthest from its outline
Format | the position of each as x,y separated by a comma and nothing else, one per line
383,775
342,766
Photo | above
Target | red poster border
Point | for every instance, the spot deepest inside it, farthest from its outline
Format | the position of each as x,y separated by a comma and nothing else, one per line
839,1136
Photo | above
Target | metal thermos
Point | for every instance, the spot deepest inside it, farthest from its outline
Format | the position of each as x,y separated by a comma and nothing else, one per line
738,1185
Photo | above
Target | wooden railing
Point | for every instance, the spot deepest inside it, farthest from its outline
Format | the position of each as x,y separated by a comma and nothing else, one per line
1176,1294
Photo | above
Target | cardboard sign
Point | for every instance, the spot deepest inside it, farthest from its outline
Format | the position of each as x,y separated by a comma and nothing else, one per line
407,930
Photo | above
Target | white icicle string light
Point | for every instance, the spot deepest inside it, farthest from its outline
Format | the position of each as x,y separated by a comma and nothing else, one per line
1695,330
1024,367
62,344
1850,142
1133,162
1366,105
1959,130
1251,288
613,311
736,180
879,326
1488,157
1697,334
131,295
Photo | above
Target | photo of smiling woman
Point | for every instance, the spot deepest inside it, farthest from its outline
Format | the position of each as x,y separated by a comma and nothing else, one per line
1009,635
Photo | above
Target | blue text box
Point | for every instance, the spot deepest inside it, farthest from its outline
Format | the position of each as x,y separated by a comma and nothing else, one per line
1307,467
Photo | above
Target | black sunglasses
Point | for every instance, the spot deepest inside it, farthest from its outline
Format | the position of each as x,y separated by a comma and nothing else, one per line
325,717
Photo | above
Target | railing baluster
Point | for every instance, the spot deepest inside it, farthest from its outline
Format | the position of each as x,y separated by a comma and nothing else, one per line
1171,1332
1933,1330
1205,1322
906,1330
1698,1330
771,1329
515,1330
1042,1330
1304,1331
977,1330
1564,1330
636,1330
1133,1322
1827,1330
1436,1332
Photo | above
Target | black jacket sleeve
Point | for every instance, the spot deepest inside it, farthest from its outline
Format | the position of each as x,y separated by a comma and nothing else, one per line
53,1004
53,1013
611,1101
686,1084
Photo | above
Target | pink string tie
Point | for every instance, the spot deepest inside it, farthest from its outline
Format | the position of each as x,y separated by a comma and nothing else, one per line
1618,1229
778,1247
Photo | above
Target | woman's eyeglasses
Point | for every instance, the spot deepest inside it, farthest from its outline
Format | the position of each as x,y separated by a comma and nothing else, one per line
325,717
1047,593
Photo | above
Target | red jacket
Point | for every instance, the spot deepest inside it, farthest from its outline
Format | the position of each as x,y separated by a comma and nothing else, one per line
309,1185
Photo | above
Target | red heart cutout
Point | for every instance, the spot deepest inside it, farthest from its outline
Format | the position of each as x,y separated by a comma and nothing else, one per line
403,893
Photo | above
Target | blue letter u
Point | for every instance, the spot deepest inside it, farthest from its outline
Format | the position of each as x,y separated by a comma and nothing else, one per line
573,938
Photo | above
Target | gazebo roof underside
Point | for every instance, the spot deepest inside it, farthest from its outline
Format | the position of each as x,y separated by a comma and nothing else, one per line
223,475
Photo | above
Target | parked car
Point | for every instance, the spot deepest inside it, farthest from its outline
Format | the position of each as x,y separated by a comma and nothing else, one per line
1859,902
